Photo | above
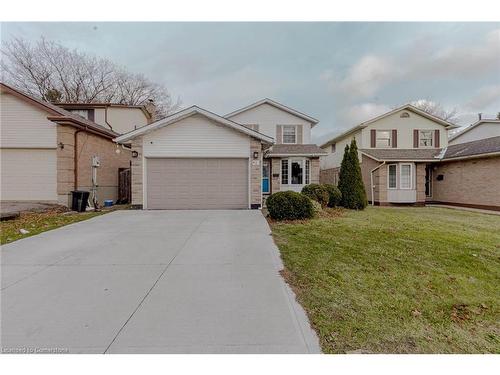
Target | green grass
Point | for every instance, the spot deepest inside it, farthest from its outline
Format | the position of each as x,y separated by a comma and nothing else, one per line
38,222
397,280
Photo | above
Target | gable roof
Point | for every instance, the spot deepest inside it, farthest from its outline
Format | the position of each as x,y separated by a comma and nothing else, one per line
470,127
59,115
473,149
407,107
187,113
275,104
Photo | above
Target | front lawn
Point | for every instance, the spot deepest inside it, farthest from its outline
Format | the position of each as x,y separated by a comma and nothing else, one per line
38,222
397,280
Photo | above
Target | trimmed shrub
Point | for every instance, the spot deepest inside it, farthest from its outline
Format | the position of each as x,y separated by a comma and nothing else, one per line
289,205
334,195
350,180
316,207
318,193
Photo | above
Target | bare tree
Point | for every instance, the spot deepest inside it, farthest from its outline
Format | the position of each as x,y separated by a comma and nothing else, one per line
53,72
437,109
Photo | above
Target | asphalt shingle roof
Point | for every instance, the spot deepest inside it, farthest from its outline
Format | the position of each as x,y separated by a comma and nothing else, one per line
481,146
403,154
286,149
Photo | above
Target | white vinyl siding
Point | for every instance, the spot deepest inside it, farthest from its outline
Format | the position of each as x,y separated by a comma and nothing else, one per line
268,117
404,127
28,175
25,125
196,136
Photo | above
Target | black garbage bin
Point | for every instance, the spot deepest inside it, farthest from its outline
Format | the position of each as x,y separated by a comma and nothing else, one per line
79,200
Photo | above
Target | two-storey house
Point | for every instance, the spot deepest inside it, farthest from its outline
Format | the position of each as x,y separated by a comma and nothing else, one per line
397,152
196,159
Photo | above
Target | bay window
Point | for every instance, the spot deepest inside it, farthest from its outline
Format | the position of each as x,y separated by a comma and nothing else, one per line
405,176
392,176
284,172
295,171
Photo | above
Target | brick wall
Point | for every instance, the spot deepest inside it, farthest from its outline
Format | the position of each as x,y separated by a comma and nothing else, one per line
255,174
367,164
314,170
88,145
137,166
420,183
473,182
329,176
275,175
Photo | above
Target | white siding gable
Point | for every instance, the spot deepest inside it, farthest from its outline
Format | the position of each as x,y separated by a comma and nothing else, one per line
268,116
24,125
481,131
196,136
333,160
405,127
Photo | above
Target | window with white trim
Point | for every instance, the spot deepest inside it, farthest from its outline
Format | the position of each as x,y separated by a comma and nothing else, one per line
383,138
425,138
405,176
289,134
392,176
284,172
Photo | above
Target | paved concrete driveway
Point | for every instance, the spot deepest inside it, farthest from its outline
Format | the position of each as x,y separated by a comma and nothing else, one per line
152,282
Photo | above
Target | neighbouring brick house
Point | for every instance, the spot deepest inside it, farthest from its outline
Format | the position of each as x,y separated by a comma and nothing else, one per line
468,175
39,160
405,159
197,159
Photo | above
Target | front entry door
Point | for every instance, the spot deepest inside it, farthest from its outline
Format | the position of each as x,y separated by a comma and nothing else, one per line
265,176
428,181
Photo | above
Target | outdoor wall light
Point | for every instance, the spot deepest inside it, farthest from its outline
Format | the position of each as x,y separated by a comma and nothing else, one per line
61,145
255,154
135,154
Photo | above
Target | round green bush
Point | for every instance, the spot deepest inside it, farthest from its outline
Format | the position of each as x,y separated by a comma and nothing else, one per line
316,207
317,192
335,196
289,205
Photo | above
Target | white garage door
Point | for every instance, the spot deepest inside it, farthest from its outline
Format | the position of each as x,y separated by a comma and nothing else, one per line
193,183
28,175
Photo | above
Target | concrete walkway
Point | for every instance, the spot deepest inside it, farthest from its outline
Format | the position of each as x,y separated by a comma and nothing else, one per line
151,282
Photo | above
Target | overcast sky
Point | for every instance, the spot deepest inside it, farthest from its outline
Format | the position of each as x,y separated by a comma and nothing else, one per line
339,73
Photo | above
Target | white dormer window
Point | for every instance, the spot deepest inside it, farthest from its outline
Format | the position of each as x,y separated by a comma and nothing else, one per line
383,139
425,138
289,134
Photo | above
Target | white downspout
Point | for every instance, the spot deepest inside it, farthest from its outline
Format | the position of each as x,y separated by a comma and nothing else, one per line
371,181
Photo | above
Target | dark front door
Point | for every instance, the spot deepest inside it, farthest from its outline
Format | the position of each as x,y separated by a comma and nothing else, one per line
428,181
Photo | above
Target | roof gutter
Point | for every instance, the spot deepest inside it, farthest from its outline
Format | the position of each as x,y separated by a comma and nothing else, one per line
72,122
